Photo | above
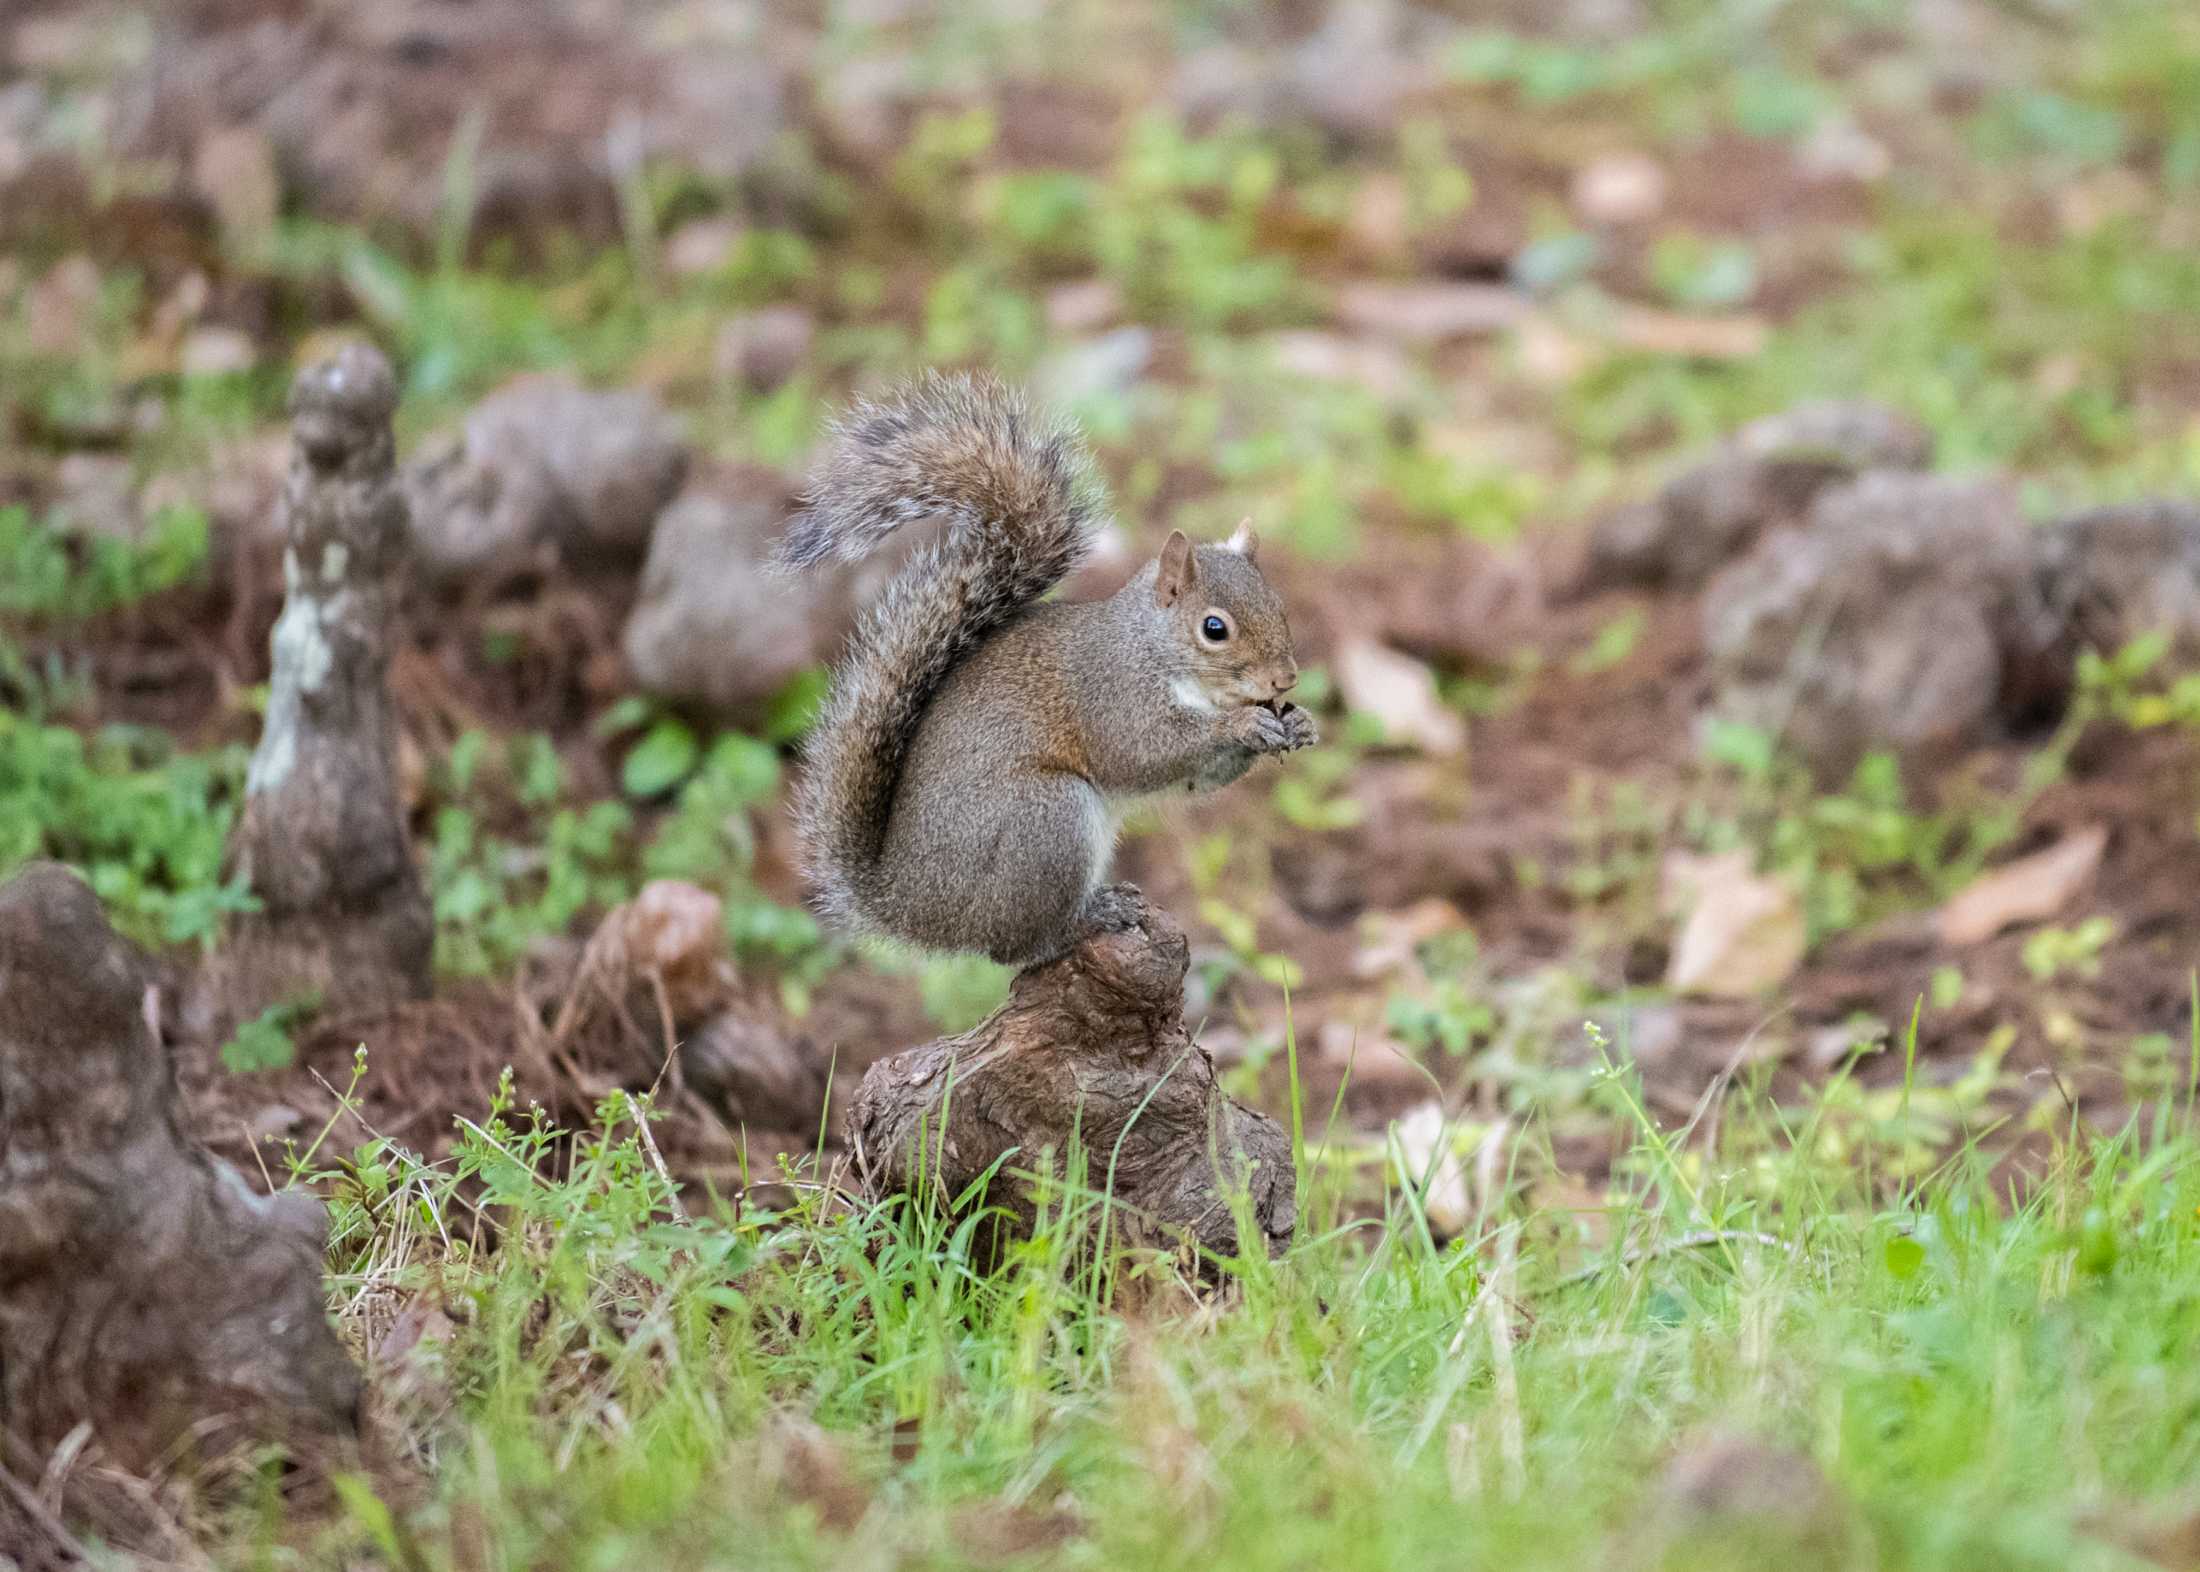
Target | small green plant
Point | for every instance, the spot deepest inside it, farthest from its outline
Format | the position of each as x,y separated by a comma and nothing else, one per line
1773,102
934,168
496,895
2132,685
1177,228
145,825
1544,73
1215,868
1448,1015
2061,954
1614,642
457,329
2032,121
710,836
73,388
1312,791
2155,1065
1702,274
1909,1127
664,757
47,574
971,313
1045,218
1438,185
266,1042
1857,853
1619,831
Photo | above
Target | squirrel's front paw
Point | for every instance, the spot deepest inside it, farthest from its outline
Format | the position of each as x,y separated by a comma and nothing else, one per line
1298,728
1259,729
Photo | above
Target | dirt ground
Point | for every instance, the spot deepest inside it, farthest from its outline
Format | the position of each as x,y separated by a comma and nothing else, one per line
352,116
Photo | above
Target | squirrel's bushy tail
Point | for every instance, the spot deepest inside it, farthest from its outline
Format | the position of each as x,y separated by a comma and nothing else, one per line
1018,498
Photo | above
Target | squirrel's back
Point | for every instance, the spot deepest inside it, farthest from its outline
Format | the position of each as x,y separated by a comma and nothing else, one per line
1020,506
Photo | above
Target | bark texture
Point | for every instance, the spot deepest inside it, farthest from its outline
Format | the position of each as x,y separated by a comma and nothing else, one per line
322,838
1092,1045
145,1289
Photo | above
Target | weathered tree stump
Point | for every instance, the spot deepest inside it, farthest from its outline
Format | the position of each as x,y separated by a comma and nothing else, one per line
145,1290
322,838
1091,1047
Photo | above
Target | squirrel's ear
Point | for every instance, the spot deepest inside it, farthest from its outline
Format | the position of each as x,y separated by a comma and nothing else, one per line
1243,541
1178,571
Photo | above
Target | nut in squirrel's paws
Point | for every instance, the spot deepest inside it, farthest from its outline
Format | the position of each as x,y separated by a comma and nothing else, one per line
1272,727
1298,726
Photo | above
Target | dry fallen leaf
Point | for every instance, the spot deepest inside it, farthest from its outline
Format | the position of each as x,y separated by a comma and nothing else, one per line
2031,889
234,169
409,1363
1429,313
1425,1141
1683,875
1086,306
423,1322
1390,938
1401,693
1690,337
1379,367
57,311
1743,934
412,772
216,352
1549,355
1378,226
702,246
1619,188
674,928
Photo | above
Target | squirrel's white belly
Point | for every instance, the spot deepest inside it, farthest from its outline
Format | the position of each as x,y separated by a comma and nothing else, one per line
1103,819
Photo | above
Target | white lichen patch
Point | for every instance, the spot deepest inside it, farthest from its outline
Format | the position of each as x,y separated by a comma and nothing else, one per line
334,558
301,649
277,754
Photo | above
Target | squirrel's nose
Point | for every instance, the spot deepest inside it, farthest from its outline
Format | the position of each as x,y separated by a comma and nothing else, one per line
1284,678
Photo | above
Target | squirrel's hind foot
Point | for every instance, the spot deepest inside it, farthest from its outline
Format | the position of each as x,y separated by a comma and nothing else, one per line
1113,908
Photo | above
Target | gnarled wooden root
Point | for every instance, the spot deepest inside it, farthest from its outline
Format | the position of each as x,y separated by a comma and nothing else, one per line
145,1290
1091,1048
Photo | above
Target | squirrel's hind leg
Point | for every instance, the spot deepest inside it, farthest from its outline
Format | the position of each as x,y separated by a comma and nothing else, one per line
1011,869
1048,898
1112,908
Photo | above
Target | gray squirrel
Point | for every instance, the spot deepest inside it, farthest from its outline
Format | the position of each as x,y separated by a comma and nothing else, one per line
979,747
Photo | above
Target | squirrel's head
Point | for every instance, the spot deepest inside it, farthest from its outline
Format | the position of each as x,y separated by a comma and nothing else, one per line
1236,638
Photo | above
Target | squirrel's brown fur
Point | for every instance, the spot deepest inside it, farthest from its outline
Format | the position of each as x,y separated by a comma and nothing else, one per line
964,780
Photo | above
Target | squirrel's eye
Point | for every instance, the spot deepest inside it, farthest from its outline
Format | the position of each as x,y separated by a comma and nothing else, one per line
1214,630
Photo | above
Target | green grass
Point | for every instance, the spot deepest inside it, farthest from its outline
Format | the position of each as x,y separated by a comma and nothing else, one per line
630,1381
45,575
624,1386
144,823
